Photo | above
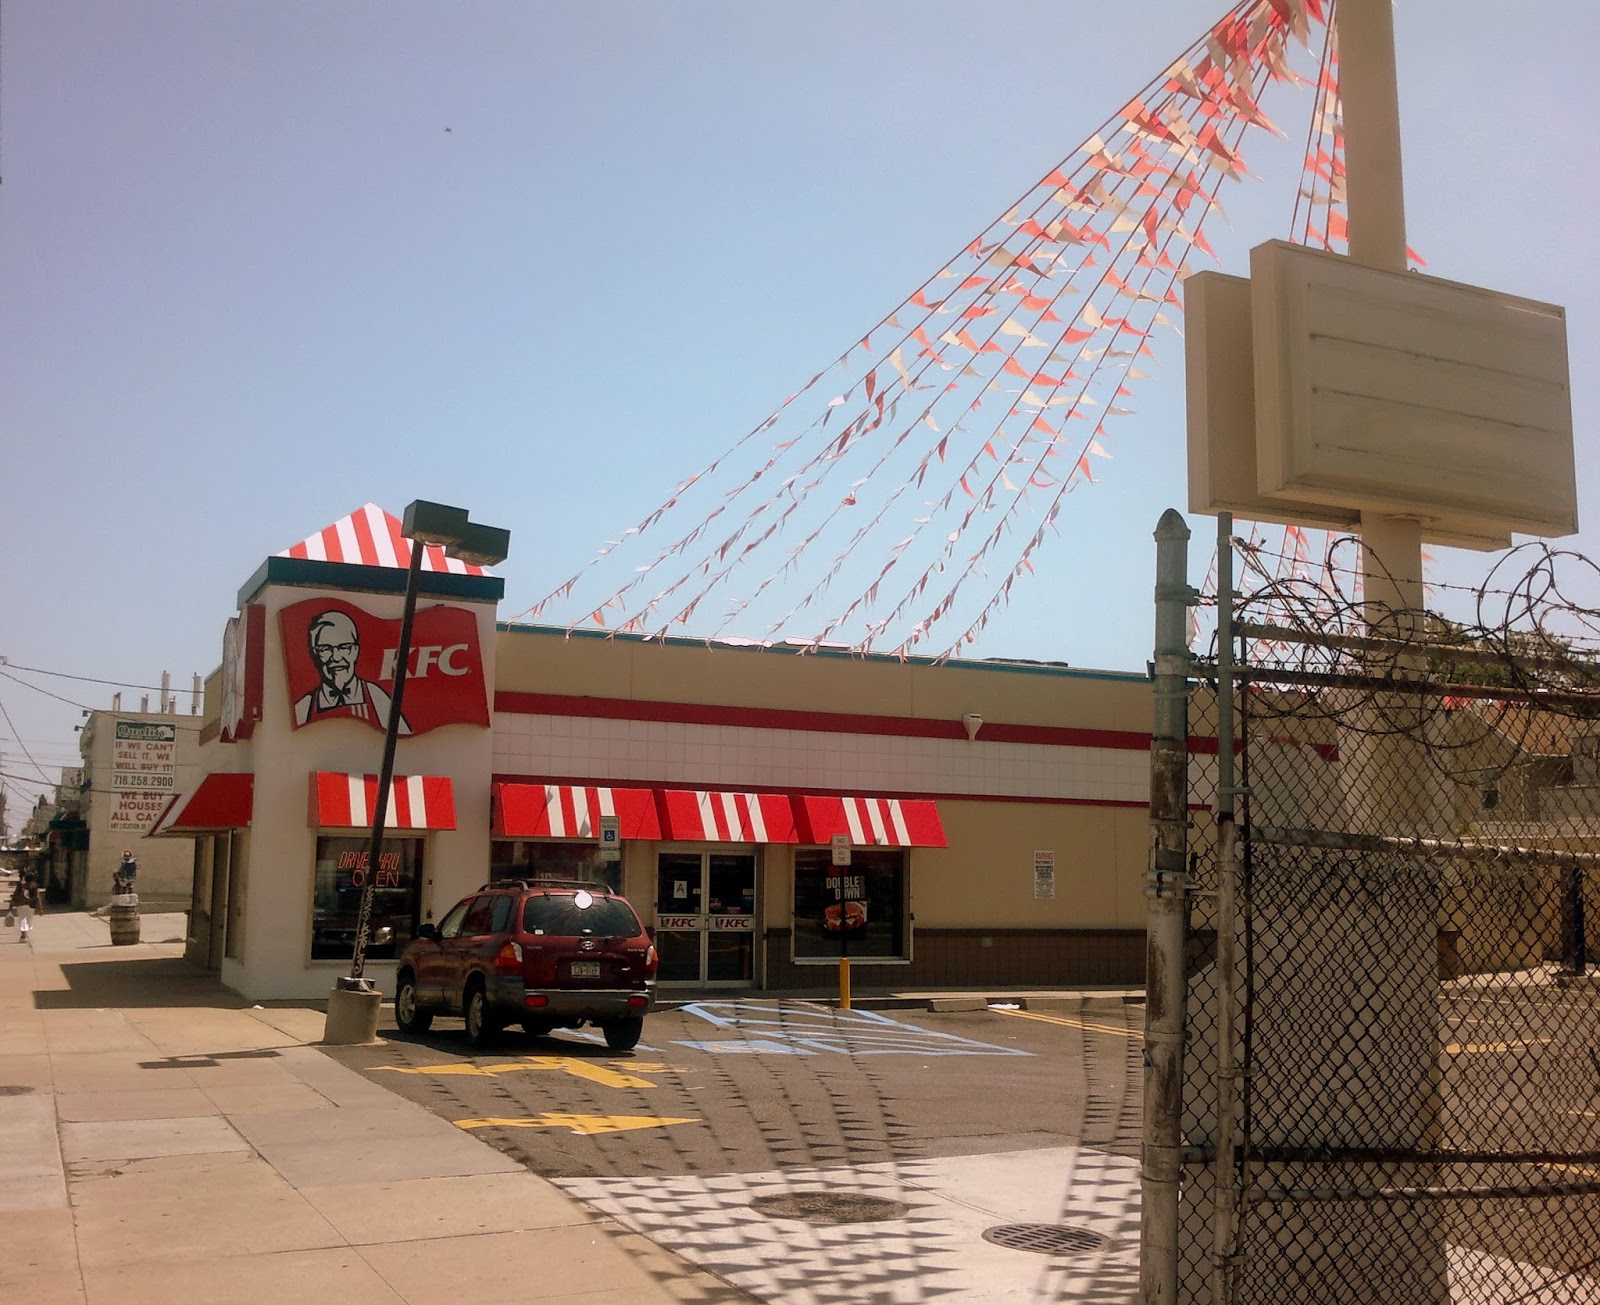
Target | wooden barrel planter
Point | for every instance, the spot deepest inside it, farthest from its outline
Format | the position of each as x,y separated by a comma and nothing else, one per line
124,924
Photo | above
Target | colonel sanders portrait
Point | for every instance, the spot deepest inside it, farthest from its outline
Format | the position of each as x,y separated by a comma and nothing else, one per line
335,648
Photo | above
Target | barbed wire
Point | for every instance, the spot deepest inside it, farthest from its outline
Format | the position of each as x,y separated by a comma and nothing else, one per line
1487,680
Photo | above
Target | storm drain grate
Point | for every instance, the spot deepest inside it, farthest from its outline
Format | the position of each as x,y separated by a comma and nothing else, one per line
13,1089
1045,1238
829,1207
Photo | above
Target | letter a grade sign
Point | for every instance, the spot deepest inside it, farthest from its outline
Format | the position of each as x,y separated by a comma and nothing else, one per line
340,661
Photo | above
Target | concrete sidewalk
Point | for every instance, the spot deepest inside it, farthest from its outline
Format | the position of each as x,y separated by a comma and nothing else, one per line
162,1142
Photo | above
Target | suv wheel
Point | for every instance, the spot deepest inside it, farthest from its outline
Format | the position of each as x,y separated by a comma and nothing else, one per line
407,1018
623,1034
481,1026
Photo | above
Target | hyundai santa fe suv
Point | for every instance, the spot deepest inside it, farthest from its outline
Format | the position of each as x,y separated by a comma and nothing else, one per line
542,955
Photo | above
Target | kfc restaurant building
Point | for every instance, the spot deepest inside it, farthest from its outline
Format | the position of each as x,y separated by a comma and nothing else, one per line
994,812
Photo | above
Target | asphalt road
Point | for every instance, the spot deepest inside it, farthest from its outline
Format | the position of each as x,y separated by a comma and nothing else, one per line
820,1157
812,1156
747,1086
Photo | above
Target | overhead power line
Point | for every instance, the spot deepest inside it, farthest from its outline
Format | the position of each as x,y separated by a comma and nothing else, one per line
18,737
86,679
79,705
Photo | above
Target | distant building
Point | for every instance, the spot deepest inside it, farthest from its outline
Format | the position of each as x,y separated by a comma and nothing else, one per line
133,763
56,829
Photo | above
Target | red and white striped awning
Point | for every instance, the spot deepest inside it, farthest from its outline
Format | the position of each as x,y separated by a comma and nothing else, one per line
220,802
340,801
694,816
872,821
570,811
369,536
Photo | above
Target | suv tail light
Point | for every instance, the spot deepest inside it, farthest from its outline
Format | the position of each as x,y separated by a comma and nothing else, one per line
508,960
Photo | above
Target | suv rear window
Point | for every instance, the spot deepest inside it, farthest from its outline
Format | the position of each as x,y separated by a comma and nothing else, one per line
563,917
488,914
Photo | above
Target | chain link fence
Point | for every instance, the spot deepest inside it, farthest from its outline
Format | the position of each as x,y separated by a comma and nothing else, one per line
1391,1068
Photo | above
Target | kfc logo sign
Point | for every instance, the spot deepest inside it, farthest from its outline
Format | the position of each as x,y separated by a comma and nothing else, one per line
341,663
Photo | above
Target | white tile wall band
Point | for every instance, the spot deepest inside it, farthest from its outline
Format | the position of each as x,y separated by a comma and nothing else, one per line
696,756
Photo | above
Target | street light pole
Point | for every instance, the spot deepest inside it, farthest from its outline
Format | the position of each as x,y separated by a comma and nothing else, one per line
380,808
353,1004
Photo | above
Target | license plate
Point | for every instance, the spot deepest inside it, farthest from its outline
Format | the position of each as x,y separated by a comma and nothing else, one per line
585,969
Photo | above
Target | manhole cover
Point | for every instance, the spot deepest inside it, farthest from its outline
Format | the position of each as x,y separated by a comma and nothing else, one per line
13,1090
1045,1238
829,1207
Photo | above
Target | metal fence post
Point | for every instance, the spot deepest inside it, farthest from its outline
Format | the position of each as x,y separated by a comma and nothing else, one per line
1580,936
1224,1213
1165,910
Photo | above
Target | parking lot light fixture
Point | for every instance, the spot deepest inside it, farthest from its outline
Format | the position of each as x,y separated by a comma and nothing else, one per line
425,524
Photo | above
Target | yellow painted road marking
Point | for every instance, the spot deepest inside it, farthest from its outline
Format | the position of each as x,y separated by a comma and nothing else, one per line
1069,1022
590,1070
584,1069
1587,1171
1500,1048
586,1125
754,1048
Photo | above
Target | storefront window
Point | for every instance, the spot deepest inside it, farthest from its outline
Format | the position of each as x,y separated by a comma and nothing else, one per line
535,859
868,924
336,899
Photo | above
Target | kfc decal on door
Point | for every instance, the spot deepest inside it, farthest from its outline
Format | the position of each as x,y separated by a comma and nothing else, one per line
340,660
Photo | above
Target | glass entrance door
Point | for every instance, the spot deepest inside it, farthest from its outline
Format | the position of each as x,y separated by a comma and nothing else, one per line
706,916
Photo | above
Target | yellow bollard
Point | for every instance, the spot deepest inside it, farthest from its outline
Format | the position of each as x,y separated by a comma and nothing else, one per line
844,983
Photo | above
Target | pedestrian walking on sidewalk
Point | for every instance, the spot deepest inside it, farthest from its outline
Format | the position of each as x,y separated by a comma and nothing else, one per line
25,901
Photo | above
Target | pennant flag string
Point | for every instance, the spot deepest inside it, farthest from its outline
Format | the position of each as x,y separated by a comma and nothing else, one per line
909,464
1000,595
1120,285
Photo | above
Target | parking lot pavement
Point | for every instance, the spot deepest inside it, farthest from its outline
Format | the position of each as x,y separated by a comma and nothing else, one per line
806,1154
1053,1224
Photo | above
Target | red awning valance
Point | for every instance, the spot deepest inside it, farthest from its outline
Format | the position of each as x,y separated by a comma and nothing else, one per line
533,810
220,802
872,821
572,811
694,816
340,801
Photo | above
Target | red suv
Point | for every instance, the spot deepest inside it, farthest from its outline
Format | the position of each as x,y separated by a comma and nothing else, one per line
542,955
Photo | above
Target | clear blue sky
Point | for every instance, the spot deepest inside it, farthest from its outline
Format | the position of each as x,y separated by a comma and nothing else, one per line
249,281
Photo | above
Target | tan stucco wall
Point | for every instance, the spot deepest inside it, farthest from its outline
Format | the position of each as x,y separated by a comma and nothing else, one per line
985,877
532,661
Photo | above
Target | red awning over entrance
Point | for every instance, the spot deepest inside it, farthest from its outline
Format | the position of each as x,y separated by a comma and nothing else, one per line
694,816
220,802
570,811
340,801
872,821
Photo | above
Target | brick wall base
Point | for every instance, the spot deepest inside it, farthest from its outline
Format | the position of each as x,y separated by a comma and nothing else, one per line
982,958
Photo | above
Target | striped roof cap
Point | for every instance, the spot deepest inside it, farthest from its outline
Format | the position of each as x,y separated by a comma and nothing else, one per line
369,536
